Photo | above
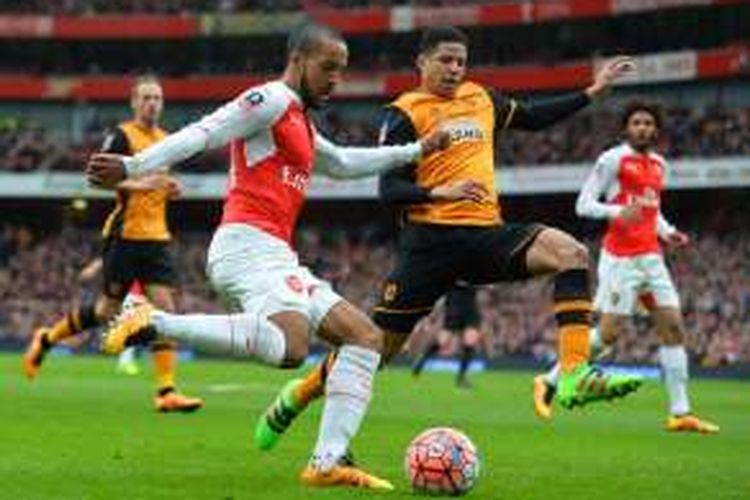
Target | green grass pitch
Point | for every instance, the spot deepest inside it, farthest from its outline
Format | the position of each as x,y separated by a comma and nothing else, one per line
83,432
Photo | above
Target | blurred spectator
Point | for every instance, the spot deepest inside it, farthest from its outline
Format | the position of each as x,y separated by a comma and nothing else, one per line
688,132
178,6
39,280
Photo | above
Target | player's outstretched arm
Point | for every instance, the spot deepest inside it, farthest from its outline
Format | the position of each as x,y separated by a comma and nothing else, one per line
541,113
252,111
355,162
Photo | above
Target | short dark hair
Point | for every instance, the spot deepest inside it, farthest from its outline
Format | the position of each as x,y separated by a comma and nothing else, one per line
634,107
304,37
432,37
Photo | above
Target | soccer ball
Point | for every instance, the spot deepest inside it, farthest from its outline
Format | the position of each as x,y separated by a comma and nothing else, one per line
442,461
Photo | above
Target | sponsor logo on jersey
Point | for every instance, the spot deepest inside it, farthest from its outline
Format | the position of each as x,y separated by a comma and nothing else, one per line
465,130
649,198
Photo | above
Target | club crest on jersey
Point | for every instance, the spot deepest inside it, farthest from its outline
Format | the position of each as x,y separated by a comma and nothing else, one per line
465,130
295,284
295,178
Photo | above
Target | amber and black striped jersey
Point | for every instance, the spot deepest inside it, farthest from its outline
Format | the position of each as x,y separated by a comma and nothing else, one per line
138,215
474,117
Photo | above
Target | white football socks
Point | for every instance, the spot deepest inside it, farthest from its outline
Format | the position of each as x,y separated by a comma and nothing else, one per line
674,364
233,334
348,394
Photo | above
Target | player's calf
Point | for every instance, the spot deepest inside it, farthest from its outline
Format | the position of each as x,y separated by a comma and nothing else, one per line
43,339
295,327
292,400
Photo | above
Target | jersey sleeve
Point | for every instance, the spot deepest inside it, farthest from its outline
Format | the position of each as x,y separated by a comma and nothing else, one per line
354,162
254,110
116,142
399,185
535,114
599,182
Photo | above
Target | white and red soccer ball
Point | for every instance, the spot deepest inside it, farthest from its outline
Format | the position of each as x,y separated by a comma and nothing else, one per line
442,461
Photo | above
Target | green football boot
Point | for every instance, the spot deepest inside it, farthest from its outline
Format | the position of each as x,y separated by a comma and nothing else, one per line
587,384
278,417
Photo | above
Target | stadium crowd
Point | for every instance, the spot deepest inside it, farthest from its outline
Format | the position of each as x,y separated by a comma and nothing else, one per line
695,132
181,6
38,280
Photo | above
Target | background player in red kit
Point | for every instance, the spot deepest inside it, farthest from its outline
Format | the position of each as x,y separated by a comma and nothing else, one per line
274,150
630,178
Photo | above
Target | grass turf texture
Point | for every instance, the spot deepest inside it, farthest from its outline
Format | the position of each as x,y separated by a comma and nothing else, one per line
83,432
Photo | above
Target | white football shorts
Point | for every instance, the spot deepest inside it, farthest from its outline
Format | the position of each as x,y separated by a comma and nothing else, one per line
255,272
622,280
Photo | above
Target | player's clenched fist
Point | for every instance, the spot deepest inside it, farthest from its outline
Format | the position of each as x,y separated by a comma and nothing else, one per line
105,170
677,239
437,140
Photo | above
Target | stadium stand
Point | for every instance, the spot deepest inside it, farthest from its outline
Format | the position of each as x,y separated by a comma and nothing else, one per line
689,132
713,282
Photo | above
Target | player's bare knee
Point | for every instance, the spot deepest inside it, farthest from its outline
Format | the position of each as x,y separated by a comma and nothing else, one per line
610,327
672,333
573,255
345,324
369,336
295,355
296,328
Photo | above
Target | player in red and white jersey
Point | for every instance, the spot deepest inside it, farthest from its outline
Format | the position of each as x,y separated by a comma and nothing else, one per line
625,188
274,151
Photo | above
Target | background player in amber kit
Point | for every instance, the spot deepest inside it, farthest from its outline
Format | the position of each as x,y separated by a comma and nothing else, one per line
461,320
630,178
135,247
454,230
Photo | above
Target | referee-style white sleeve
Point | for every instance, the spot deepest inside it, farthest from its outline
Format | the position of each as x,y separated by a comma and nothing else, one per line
598,183
249,113
354,162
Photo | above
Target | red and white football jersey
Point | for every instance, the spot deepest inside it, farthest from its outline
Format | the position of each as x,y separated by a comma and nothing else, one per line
274,148
623,176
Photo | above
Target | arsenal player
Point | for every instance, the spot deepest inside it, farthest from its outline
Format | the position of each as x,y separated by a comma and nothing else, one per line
624,189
